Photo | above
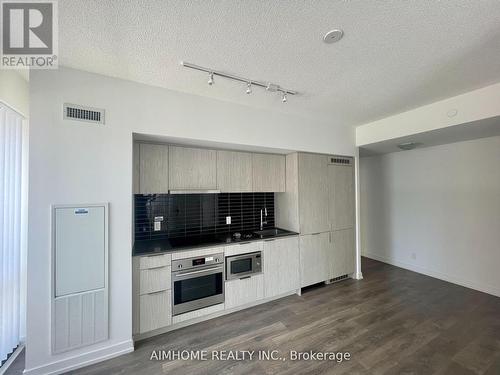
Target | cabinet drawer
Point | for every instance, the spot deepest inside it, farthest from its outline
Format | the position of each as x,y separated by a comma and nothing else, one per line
155,311
154,279
154,261
243,291
243,248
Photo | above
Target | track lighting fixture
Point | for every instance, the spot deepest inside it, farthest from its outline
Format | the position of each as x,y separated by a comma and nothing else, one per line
268,86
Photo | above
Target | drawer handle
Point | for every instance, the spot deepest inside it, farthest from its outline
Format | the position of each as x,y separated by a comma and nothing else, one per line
158,292
315,234
244,243
244,278
272,239
154,268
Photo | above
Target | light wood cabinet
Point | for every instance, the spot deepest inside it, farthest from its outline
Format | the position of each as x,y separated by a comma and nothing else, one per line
153,168
154,280
313,193
341,196
281,266
341,255
151,297
192,168
155,311
234,171
268,173
243,291
314,255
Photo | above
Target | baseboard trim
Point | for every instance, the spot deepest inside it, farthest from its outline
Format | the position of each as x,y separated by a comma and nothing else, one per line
489,289
82,360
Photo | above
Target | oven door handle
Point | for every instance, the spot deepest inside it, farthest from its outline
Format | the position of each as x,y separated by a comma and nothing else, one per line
199,271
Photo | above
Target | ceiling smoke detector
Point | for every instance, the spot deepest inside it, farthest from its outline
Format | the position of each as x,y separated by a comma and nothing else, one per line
407,146
333,36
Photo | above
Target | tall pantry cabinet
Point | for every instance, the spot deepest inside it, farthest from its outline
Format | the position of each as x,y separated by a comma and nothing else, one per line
319,203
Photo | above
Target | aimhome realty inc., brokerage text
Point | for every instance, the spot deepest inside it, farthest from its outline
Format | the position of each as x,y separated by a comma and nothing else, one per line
247,355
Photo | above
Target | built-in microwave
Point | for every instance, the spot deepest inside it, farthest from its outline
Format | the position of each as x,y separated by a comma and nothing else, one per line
239,266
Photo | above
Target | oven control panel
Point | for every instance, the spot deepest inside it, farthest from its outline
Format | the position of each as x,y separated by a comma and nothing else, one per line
195,262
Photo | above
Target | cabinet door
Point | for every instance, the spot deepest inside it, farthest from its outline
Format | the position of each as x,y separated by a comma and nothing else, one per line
155,311
243,291
313,193
268,172
341,196
342,253
192,168
234,171
153,168
281,266
314,250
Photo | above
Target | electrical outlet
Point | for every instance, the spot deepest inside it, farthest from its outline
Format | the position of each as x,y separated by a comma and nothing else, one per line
228,220
157,226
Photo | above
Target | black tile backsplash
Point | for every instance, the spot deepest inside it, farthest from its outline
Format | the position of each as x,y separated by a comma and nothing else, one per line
186,215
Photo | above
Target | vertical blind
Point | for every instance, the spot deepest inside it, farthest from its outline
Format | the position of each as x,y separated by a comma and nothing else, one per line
10,228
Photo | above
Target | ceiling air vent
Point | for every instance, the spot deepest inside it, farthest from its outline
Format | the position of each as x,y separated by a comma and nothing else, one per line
80,113
340,160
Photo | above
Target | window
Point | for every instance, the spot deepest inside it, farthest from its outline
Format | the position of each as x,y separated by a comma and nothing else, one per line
10,228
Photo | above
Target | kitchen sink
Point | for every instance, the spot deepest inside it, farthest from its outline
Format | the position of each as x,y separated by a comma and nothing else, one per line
270,232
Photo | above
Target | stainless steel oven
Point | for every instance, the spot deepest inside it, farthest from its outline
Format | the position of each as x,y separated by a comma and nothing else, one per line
197,282
238,266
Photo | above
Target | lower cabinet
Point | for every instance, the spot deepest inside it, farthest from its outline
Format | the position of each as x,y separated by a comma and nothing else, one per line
155,310
342,254
242,291
281,266
314,258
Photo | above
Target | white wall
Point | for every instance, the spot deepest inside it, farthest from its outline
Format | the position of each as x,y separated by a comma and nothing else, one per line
74,162
14,91
436,211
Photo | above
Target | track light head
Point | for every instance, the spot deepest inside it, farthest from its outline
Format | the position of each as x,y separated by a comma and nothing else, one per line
210,78
249,88
283,97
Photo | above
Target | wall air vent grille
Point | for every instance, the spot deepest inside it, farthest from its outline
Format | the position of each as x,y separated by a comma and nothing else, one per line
80,113
340,160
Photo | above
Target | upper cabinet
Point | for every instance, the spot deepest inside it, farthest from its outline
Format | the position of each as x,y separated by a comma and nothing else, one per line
153,168
234,171
192,168
268,172
313,193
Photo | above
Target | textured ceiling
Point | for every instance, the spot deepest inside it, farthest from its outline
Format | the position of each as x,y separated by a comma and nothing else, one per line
395,55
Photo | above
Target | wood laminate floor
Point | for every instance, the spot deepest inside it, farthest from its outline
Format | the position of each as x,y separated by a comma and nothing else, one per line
393,322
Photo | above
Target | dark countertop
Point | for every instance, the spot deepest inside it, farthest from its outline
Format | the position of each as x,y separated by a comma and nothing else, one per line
148,247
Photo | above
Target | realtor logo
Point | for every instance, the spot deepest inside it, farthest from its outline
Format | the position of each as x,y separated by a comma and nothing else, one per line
29,34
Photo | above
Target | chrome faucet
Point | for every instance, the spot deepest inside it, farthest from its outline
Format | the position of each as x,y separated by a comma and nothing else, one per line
261,221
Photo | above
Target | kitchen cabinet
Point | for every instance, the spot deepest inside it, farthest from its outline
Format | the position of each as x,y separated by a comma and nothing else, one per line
314,256
281,266
244,291
152,304
313,193
192,168
341,196
341,254
234,171
268,172
153,168
155,310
